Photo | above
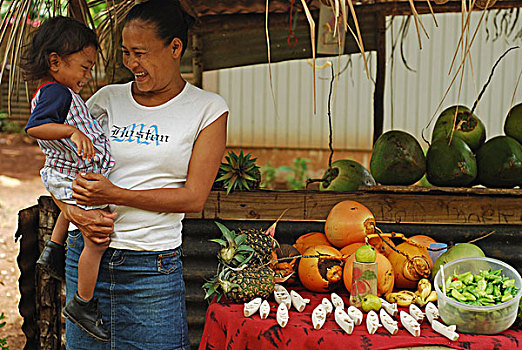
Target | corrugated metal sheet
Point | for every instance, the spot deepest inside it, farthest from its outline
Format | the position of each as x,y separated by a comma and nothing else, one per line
411,98
254,121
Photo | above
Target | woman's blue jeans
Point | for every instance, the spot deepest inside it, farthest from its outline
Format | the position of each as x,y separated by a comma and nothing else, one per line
141,296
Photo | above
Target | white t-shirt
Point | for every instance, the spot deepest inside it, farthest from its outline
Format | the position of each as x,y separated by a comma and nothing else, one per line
151,147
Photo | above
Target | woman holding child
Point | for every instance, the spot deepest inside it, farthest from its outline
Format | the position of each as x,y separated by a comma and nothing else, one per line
167,139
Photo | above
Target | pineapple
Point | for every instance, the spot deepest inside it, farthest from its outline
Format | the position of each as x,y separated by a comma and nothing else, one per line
262,244
234,252
249,246
239,172
241,285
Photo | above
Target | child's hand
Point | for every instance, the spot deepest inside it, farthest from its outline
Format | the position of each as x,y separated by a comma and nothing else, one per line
84,144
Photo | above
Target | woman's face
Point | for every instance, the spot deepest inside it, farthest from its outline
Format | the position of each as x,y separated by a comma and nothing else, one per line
154,64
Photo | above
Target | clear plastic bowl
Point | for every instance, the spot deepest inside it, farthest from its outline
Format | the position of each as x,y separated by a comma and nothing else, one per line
477,319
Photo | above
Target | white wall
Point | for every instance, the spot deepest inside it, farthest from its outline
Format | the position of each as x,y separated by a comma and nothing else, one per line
254,123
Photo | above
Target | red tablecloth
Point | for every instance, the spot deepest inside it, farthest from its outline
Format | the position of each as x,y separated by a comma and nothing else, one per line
227,328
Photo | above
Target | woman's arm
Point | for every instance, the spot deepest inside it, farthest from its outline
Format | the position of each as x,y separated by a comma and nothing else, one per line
95,189
94,224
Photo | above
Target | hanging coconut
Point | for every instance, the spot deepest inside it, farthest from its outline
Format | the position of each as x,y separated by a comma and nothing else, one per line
385,277
348,222
321,274
513,123
468,127
410,265
346,175
397,159
310,239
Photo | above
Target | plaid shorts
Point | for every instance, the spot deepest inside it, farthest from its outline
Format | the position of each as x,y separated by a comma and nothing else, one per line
60,186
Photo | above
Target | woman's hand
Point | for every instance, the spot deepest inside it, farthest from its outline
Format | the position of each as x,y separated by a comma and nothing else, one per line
93,189
96,224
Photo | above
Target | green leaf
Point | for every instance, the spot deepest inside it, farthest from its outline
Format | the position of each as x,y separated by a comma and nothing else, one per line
249,178
229,235
225,177
245,248
218,241
240,239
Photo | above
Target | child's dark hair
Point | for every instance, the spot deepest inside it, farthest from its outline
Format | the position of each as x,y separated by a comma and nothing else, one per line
63,35
168,17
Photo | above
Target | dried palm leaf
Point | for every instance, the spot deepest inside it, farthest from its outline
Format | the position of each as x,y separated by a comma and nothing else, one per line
311,22
269,59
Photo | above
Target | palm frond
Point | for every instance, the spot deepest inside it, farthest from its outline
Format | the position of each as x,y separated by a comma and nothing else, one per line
21,16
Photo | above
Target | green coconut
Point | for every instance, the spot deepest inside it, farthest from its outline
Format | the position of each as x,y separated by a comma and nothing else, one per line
346,175
397,159
460,251
499,163
513,123
469,127
450,164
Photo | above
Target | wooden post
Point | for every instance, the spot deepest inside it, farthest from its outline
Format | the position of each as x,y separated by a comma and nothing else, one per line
27,234
197,64
378,96
48,289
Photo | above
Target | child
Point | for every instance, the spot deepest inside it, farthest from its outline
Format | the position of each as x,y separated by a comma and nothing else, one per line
62,53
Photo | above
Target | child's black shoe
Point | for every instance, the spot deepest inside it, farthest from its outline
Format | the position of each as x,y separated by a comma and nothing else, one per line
52,260
87,316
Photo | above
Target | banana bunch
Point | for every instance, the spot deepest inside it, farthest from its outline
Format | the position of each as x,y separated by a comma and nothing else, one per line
404,298
421,296
425,293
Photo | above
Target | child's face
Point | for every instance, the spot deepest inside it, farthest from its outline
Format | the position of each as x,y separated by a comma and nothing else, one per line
73,71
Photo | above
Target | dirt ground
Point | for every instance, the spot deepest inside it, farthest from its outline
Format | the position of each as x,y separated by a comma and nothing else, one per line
20,187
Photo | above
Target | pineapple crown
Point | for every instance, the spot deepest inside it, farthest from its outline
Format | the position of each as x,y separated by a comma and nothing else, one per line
233,250
238,172
219,284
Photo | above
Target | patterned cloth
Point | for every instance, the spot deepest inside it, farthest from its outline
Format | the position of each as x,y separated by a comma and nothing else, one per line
55,103
227,328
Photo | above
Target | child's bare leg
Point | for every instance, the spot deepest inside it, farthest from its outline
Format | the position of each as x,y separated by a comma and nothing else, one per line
60,230
88,266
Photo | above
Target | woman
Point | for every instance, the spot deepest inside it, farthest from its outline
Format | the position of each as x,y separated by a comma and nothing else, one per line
167,139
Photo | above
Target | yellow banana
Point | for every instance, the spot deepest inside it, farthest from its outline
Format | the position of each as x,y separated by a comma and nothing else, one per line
408,292
405,298
419,301
424,288
391,297
432,297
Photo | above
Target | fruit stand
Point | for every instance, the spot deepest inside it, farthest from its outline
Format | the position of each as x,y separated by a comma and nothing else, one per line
446,214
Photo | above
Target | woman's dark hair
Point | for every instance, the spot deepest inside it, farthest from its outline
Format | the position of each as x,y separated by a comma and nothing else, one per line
168,17
63,35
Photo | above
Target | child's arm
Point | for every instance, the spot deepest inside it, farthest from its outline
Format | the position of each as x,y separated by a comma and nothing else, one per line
56,131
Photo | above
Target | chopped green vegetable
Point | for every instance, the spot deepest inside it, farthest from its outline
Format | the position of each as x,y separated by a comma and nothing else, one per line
485,288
